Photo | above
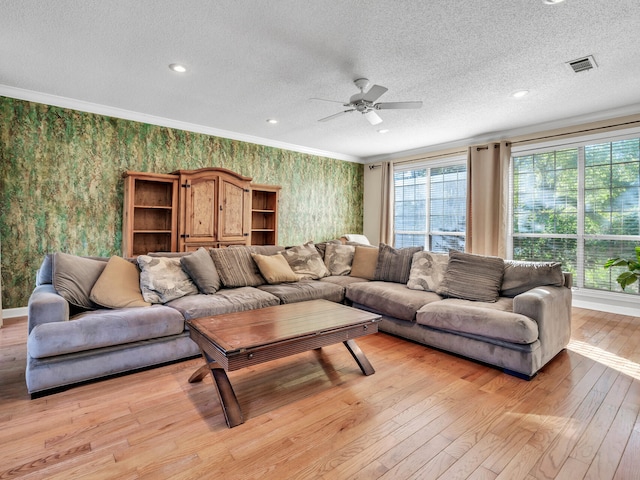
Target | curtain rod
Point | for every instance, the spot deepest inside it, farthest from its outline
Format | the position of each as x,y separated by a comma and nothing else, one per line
516,142
586,130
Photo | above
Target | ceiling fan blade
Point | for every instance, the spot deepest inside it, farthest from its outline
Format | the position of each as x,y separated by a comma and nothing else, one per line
395,105
373,117
374,93
335,115
325,100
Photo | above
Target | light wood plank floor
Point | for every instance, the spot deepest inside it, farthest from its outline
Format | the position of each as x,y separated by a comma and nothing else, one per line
423,414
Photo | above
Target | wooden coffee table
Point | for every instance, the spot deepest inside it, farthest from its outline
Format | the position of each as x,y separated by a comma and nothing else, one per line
236,340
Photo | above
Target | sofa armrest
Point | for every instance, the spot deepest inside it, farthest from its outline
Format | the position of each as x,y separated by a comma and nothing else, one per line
550,307
46,306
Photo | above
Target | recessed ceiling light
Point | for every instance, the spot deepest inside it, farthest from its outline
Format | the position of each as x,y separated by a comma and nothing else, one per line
176,67
383,130
552,2
520,93
272,121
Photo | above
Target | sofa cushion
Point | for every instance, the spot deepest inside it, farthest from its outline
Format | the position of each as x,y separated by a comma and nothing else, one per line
472,277
322,246
364,262
388,298
427,271
338,258
274,268
236,268
162,279
118,286
103,328
74,277
225,300
342,280
200,267
305,290
486,319
394,264
520,276
306,261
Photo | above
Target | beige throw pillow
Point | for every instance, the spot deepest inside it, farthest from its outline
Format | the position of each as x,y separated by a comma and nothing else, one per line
118,286
364,262
274,268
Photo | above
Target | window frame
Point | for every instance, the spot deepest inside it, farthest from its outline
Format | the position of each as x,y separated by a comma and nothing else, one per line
450,161
594,295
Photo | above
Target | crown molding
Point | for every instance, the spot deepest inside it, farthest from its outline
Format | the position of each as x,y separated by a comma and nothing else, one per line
88,107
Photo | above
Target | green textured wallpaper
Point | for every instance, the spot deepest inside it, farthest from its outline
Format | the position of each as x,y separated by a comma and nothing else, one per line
62,190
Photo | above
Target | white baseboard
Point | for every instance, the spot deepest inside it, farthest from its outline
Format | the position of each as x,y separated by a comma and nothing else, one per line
14,312
619,303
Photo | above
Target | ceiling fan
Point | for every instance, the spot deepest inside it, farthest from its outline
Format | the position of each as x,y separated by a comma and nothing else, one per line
365,103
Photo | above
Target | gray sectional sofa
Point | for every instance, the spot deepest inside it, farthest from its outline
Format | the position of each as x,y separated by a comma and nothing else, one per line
94,317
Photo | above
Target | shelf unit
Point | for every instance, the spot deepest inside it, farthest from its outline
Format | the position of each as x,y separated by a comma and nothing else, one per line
150,216
264,214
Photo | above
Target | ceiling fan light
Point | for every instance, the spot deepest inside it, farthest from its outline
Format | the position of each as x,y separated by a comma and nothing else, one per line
520,93
176,67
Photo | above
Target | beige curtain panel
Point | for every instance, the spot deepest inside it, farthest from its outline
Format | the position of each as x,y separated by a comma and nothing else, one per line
487,198
387,198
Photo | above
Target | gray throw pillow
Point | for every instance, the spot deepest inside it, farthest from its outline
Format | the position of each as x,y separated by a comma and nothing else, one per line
162,279
394,264
427,271
236,268
472,277
305,261
200,267
74,277
520,276
338,258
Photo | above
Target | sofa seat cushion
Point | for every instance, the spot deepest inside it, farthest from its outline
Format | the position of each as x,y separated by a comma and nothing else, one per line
103,328
225,300
485,319
343,280
305,290
390,298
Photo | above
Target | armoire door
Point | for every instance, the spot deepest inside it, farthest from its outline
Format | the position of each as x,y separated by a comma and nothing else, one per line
198,205
233,211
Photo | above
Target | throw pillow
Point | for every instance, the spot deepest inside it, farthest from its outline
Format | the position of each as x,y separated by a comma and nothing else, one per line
118,286
306,262
236,268
364,263
162,279
274,268
394,264
338,258
520,276
427,271
472,277
200,267
74,277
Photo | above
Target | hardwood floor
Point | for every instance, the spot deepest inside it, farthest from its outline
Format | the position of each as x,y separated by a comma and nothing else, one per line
423,414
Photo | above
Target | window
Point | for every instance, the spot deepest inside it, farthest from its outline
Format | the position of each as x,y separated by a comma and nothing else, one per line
579,205
430,206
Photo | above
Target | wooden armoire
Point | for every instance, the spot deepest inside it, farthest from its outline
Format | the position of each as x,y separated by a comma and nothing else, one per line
189,209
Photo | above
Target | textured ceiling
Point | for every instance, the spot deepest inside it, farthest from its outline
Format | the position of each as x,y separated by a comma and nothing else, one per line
250,60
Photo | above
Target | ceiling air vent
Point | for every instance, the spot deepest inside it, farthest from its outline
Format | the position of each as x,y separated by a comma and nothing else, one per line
582,64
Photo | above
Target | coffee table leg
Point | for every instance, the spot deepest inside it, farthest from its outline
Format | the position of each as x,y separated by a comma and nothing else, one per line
359,356
228,400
